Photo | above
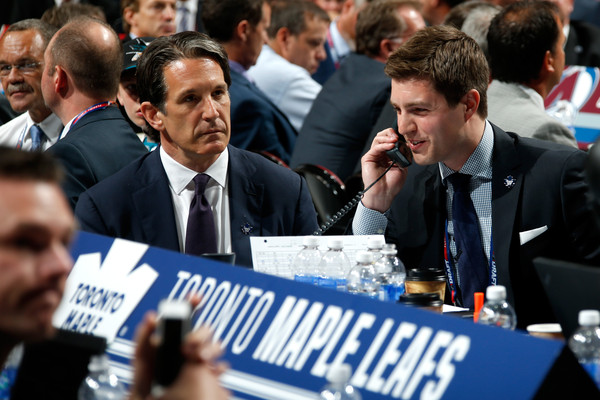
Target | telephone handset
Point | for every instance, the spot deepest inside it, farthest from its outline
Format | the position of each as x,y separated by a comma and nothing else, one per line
399,155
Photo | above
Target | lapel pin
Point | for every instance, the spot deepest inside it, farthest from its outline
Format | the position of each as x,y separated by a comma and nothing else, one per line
509,181
247,228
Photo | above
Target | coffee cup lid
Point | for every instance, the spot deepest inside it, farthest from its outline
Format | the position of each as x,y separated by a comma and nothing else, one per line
421,299
426,274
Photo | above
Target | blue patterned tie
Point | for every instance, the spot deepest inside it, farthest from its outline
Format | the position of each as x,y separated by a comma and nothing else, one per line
200,237
37,137
471,260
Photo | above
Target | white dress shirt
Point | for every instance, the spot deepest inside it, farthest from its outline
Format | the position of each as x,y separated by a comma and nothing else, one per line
287,85
16,131
182,186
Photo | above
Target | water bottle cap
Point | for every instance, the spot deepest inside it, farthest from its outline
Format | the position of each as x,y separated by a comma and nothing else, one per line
339,373
310,241
376,242
497,292
589,317
388,251
335,244
389,246
364,257
98,363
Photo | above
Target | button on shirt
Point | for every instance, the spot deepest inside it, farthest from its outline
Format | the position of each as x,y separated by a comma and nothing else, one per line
181,186
479,165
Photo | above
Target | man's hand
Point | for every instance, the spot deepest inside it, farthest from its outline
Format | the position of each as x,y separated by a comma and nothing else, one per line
374,163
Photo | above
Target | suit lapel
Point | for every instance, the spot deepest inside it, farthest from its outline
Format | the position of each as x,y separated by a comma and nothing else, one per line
153,204
245,203
507,181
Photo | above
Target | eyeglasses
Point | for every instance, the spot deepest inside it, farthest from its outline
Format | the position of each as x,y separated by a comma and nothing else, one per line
25,68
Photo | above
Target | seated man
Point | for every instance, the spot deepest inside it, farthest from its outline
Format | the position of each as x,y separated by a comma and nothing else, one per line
160,199
35,234
256,123
526,57
297,33
480,203
340,120
21,64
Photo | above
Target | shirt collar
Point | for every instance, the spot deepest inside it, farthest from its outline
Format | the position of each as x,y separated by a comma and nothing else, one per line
341,46
51,126
535,96
180,176
480,162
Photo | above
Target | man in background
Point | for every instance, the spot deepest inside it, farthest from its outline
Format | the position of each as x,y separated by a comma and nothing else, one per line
82,65
142,18
21,64
297,33
340,120
530,32
256,123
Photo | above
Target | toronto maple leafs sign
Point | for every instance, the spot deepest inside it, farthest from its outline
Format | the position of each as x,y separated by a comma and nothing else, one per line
281,337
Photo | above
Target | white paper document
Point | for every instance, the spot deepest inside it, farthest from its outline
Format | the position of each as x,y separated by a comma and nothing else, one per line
274,255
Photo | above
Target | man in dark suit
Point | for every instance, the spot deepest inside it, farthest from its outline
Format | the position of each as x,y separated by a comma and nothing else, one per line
529,196
341,117
583,38
79,83
183,82
256,123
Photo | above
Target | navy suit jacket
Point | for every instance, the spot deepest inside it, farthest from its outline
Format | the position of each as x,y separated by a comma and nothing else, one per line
97,146
136,203
339,122
549,191
257,123
583,45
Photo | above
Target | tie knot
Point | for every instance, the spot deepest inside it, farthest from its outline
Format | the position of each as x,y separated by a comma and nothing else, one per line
200,181
37,136
460,182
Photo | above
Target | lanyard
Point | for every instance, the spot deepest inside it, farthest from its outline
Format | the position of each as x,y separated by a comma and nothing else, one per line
334,55
89,110
22,138
449,263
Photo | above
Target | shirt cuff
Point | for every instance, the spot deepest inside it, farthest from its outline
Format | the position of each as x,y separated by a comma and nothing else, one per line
369,222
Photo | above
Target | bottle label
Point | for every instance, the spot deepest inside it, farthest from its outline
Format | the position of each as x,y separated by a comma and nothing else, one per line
335,284
305,278
593,369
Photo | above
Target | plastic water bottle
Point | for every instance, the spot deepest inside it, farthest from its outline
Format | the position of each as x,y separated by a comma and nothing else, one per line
9,372
362,278
496,311
375,245
306,264
101,384
585,343
338,387
391,274
334,266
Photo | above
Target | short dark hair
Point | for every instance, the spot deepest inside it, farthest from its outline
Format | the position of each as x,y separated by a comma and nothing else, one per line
95,70
380,20
446,57
220,17
518,39
58,16
293,14
45,30
29,165
167,49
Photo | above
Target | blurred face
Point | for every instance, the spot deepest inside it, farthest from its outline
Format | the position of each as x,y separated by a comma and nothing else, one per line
129,98
37,227
307,49
257,36
153,18
433,130
414,22
195,125
22,85
333,7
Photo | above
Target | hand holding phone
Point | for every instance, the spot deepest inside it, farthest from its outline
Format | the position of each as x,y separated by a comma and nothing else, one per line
400,154
173,325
